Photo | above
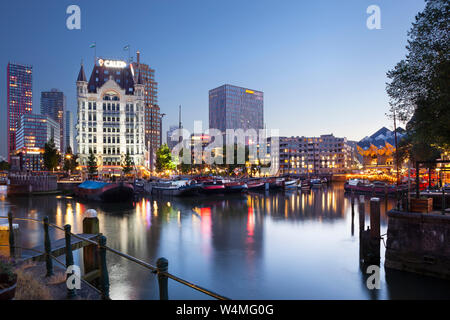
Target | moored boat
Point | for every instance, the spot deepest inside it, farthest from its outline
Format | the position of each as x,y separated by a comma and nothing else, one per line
235,187
304,185
177,188
256,185
104,191
291,184
376,187
212,187
316,183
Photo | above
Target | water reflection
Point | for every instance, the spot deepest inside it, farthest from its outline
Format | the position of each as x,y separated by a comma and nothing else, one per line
289,245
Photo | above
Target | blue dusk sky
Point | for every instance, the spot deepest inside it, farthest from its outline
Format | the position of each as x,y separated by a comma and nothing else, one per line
320,68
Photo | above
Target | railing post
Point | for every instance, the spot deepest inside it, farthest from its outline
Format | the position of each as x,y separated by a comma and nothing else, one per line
163,266
48,249
69,258
104,277
11,236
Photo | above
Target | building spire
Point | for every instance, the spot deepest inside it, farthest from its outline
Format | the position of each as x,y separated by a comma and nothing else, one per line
81,75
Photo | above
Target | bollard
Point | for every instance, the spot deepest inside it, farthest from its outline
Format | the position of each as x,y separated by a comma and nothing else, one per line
90,226
375,218
163,266
48,249
104,277
69,257
362,213
11,236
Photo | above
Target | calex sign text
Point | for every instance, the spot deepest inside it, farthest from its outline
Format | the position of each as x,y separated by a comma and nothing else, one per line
112,63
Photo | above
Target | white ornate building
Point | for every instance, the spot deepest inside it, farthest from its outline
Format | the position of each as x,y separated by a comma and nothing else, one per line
110,117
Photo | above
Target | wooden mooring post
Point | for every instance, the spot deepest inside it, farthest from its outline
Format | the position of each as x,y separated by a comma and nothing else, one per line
362,213
90,258
370,238
375,218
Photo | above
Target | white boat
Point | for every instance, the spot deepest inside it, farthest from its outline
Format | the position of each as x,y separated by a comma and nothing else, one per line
174,188
290,184
316,183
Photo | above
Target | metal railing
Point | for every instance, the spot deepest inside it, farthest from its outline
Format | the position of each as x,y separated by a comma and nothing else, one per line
161,268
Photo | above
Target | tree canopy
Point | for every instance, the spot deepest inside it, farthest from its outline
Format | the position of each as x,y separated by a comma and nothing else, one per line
92,164
127,166
164,159
70,160
51,155
419,87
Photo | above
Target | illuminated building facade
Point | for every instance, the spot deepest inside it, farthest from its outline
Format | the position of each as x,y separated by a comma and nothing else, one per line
53,104
19,86
33,132
110,116
378,150
326,154
152,111
232,107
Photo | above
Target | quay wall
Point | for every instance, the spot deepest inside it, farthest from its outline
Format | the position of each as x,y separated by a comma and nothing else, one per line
25,183
418,243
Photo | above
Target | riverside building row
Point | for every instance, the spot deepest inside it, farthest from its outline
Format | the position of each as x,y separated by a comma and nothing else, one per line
326,154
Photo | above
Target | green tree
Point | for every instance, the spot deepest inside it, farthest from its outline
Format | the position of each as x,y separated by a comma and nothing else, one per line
419,87
92,165
164,159
70,160
51,155
127,165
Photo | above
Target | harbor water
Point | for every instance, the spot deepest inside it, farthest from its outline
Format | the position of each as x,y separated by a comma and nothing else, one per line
283,245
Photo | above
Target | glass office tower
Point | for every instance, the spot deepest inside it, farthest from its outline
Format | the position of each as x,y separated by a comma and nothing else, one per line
53,104
232,107
19,86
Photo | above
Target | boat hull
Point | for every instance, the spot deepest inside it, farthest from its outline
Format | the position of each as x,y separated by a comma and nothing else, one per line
106,192
378,190
175,192
236,188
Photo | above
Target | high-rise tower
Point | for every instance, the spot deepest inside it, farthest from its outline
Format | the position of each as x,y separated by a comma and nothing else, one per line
19,87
